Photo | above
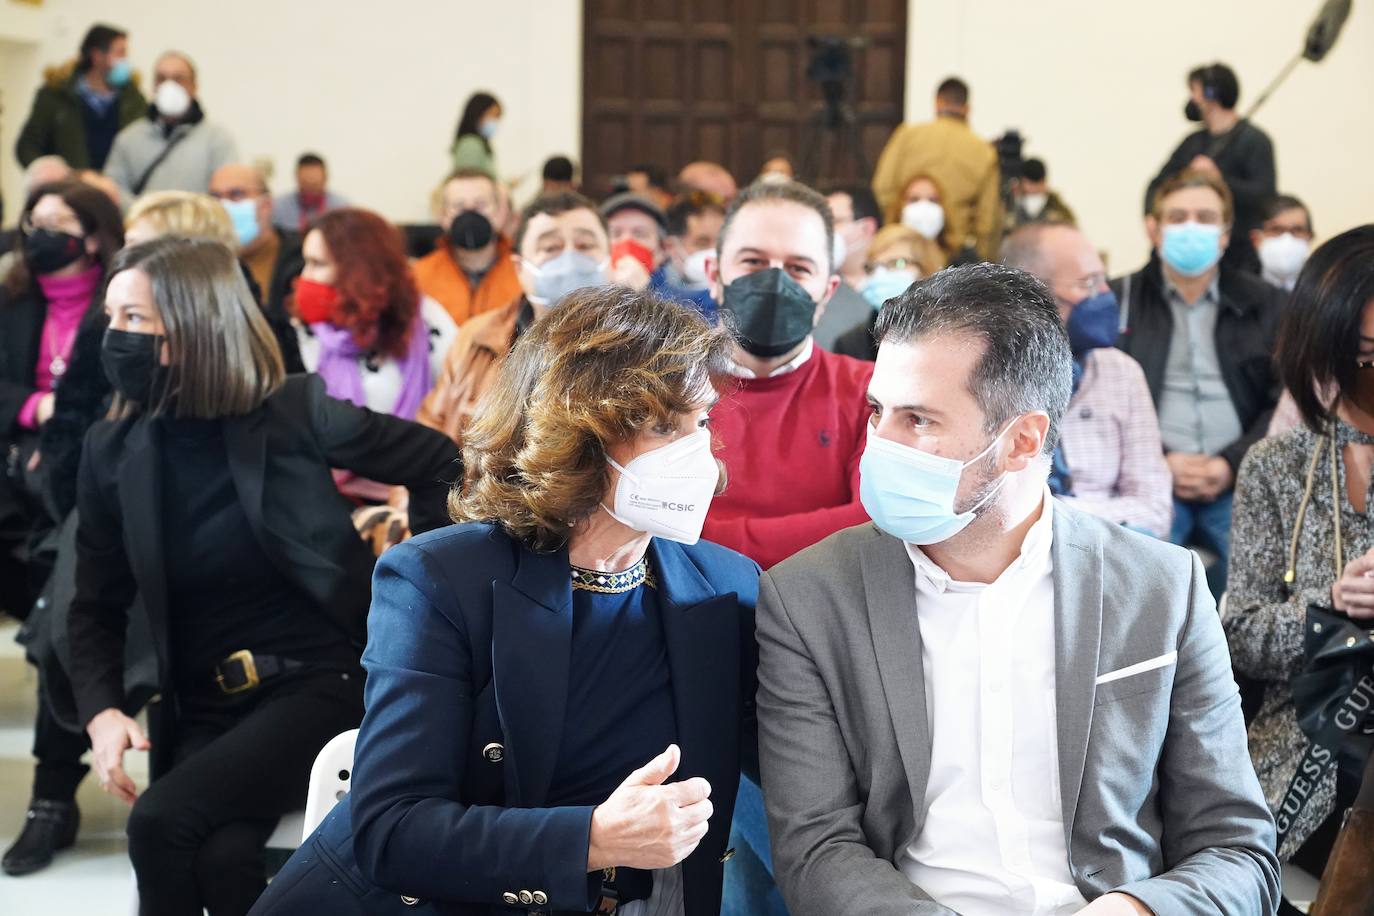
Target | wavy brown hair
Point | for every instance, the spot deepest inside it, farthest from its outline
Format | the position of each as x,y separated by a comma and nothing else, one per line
605,364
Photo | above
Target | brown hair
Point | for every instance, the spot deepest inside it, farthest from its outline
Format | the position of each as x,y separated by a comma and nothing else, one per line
223,359
603,365
1191,178
99,218
555,205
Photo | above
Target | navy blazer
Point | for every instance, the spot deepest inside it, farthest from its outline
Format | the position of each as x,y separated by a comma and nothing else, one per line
467,660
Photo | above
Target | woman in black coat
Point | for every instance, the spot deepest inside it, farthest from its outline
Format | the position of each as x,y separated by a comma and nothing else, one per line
210,494
69,232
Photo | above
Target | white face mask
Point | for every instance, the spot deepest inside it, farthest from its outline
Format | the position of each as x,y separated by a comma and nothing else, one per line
666,492
839,250
1034,204
172,99
925,216
694,267
1283,255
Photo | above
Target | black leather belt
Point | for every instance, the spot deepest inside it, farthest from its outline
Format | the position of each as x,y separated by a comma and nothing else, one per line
243,671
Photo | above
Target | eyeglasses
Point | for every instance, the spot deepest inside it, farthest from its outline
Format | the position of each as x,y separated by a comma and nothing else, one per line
1271,231
892,264
28,227
1088,285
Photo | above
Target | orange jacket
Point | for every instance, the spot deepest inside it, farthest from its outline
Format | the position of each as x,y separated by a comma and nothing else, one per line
439,277
469,370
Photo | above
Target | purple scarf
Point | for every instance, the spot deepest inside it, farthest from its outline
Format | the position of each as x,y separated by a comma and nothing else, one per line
343,379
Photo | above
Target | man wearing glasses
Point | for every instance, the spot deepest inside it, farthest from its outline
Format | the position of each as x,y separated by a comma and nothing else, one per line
1204,333
1109,461
1283,240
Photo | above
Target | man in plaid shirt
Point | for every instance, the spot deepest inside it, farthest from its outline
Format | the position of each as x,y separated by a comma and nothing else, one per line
1110,460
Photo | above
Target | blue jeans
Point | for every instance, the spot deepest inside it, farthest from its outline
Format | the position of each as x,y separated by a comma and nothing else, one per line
749,886
1206,525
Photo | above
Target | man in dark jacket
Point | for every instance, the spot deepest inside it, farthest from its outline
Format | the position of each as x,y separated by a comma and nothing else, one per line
1230,147
1204,334
83,104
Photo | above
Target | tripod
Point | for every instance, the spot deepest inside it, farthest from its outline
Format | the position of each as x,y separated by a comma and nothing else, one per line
838,122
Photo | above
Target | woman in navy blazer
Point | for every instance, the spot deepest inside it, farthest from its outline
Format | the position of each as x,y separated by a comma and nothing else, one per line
560,691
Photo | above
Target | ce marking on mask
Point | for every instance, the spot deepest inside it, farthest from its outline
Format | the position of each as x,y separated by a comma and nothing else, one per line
644,502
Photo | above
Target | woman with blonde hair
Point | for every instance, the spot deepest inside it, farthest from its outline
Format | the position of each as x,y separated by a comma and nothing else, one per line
575,595
210,496
898,256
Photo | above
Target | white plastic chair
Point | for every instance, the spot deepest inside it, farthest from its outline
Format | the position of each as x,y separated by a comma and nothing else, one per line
329,781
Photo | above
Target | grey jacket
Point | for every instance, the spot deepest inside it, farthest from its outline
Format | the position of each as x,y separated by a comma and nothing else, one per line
188,167
1160,800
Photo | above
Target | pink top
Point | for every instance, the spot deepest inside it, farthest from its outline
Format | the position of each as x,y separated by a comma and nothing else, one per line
68,299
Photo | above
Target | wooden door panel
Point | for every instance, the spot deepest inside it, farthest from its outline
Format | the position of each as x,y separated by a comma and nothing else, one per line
669,81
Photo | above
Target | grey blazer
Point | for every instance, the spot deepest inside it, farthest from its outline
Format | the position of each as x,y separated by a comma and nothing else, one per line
1160,798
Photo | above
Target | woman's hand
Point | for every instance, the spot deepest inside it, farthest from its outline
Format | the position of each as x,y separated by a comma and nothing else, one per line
43,412
112,733
1353,593
646,824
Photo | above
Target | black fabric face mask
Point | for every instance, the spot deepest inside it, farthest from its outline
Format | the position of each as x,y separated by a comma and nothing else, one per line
772,312
133,364
470,231
47,250
1192,111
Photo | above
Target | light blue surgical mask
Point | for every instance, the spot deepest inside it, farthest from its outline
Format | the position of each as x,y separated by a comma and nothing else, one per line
244,215
910,493
1191,248
886,283
571,270
488,129
119,73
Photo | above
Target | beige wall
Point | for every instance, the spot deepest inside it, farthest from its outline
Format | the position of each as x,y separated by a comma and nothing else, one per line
1098,90
375,86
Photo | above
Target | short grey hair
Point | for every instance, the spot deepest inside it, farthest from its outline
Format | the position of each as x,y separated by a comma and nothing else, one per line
1024,248
1026,366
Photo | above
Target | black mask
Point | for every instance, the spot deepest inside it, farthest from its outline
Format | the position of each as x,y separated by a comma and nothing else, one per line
47,250
1192,111
133,364
470,231
772,312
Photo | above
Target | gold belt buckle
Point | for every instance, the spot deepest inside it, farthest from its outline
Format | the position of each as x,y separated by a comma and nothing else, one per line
250,672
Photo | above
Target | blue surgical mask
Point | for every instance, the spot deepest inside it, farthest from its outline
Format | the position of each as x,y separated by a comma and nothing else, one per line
886,283
910,493
571,270
1191,248
244,215
1094,323
119,73
488,128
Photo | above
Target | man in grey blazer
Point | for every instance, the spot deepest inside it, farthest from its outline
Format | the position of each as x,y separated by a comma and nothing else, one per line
986,701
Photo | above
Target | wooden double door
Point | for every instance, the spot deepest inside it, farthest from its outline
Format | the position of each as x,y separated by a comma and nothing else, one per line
671,81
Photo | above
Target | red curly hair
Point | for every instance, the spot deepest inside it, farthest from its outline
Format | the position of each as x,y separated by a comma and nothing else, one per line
378,298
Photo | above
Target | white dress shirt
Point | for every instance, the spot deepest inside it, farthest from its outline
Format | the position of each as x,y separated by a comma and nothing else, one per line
792,365
993,840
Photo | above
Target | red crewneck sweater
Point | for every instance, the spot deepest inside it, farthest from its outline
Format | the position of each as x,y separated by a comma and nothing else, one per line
791,446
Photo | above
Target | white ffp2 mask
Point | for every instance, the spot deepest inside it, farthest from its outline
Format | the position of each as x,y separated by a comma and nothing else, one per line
666,492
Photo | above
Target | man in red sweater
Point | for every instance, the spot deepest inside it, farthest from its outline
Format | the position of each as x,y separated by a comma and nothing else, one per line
792,423
791,426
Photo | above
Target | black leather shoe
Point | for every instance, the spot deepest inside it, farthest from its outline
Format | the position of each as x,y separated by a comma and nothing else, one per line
48,827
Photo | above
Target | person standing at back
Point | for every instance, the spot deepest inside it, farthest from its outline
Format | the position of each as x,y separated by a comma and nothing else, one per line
84,103
472,140
175,148
1229,147
962,163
